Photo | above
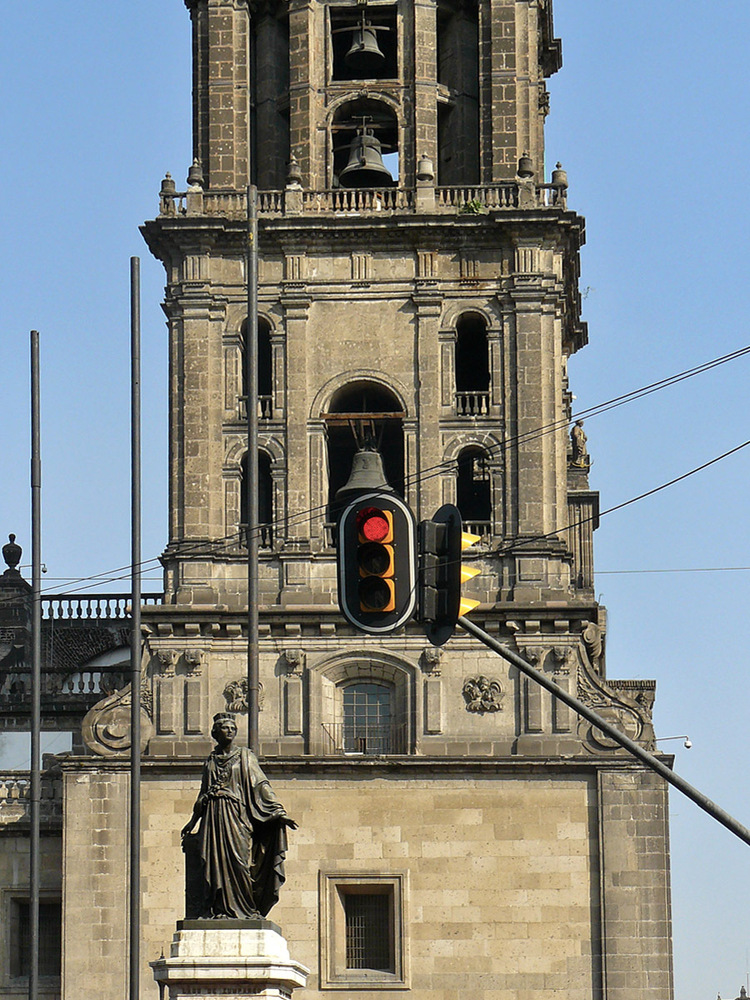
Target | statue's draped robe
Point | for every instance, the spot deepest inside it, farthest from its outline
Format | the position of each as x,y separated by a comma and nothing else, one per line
242,839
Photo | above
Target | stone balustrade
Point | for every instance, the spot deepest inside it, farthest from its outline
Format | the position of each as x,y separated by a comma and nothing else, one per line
462,200
15,792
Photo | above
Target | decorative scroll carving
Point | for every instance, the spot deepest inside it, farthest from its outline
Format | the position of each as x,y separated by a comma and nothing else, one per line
235,694
631,715
483,694
591,634
106,727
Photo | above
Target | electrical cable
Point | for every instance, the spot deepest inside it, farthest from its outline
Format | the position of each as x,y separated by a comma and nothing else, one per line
307,516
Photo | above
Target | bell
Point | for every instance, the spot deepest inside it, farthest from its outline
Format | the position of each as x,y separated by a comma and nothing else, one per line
365,168
525,167
364,57
367,474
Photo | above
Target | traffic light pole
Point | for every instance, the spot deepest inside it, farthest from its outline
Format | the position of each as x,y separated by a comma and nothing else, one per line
614,734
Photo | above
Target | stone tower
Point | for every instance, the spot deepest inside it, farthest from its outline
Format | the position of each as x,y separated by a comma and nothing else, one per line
461,831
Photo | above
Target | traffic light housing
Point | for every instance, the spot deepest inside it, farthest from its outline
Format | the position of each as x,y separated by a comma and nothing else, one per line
441,542
377,562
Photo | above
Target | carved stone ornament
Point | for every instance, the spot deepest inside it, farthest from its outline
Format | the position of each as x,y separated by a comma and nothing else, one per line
106,727
235,694
591,634
295,660
166,659
194,660
532,654
563,659
431,657
483,694
629,714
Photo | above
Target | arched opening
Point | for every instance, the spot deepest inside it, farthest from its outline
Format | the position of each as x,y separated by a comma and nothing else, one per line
364,45
265,501
472,366
364,132
359,412
265,369
458,94
473,491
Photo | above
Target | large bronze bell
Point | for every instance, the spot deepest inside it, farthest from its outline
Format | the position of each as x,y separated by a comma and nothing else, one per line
365,168
364,57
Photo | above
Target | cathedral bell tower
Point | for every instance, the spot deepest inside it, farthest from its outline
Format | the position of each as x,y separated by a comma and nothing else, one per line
418,288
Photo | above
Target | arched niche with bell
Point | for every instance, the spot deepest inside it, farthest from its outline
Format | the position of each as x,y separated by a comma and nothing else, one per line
363,42
364,138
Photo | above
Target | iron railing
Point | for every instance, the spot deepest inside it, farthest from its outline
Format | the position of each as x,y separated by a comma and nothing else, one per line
365,738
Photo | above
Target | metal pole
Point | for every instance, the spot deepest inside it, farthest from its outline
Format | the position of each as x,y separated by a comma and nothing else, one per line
36,670
251,477
614,734
135,634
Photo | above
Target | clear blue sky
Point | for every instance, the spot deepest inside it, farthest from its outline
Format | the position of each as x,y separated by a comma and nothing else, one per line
650,118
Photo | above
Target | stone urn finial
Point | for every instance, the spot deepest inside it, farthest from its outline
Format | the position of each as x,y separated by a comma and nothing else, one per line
12,553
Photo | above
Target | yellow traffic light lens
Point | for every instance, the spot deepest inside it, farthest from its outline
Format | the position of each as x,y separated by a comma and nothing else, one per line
375,559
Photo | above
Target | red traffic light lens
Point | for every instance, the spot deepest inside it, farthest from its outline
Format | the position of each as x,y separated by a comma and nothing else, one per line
373,524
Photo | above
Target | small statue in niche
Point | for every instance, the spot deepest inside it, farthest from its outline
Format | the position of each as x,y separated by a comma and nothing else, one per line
236,860
580,456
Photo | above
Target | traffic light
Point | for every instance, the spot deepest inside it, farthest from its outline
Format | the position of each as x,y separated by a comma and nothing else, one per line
377,562
441,542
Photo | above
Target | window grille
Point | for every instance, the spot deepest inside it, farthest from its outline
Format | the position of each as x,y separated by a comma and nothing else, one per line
50,938
368,933
368,723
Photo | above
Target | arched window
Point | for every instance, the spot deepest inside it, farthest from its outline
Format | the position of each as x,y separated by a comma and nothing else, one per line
363,411
265,369
265,501
472,366
458,107
473,492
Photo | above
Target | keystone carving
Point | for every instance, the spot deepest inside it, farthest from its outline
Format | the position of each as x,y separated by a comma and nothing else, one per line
483,694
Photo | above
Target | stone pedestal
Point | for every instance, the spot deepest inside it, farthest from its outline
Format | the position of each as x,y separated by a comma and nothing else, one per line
228,958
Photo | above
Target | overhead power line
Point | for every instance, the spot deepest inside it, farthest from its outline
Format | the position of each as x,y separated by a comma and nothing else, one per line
308,515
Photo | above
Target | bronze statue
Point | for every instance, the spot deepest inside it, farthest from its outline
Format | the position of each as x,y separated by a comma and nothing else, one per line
241,844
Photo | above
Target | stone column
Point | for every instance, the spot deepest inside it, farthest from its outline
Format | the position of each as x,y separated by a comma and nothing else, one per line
221,82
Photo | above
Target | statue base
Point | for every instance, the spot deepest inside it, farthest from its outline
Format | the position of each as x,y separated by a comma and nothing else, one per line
219,958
